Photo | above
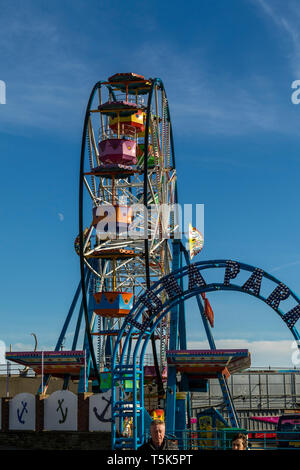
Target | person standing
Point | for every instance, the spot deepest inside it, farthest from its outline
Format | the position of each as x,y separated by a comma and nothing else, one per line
239,442
158,440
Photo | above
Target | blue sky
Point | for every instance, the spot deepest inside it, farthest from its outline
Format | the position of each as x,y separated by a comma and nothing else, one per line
227,67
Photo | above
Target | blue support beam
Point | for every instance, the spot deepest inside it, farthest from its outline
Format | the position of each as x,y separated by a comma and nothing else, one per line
180,414
66,324
171,401
85,372
70,313
173,345
174,317
182,322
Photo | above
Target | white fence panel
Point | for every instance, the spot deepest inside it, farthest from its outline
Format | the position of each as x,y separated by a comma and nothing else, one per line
22,412
60,412
100,411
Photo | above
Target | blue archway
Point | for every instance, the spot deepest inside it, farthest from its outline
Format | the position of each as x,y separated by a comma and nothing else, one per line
149,311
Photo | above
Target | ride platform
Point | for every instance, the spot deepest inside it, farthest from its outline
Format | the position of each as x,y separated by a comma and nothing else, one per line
113,304
132,83
56,363
118,253
116,171
119,108
209,363
117,152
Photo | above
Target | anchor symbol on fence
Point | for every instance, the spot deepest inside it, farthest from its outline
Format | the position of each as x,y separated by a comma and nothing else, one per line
20,415
101,417
64,415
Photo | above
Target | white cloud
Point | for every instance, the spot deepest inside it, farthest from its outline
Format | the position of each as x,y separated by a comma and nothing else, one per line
36,48
283,266
285,16
201,102
2,352
61,216
22,347
52,79
263,353
55,83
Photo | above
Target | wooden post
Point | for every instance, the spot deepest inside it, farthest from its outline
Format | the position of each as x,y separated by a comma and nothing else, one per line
39,412
5,414
83,411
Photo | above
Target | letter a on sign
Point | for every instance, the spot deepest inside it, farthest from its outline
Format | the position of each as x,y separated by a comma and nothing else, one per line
171,286
151,301
254,281
195,278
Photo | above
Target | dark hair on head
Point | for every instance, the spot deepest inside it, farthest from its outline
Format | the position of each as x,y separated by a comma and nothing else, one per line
157,422
241,436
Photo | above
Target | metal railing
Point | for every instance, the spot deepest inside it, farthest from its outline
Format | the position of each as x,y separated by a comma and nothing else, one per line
221,439
11,369
274,440
139,100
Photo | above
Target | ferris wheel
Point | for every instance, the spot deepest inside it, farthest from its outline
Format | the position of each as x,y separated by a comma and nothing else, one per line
127,206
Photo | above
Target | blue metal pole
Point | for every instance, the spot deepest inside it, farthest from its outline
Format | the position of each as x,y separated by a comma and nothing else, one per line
84,373
182,320
173,345
80,315
69,316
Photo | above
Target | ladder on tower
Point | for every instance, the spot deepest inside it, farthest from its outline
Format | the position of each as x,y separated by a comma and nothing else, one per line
131,409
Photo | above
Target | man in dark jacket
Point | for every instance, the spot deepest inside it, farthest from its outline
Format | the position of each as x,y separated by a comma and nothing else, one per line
158,440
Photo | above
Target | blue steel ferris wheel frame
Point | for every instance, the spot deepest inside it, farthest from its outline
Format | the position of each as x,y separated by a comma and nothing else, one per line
156,82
